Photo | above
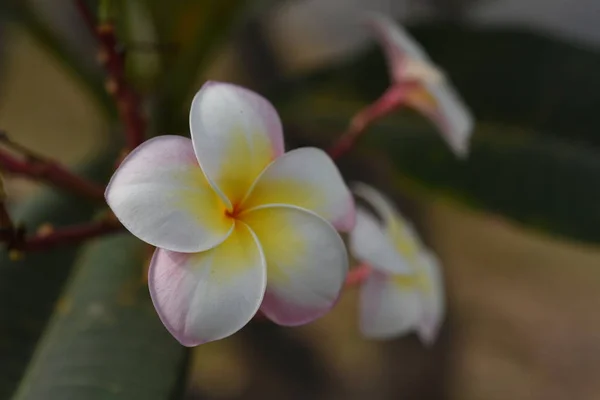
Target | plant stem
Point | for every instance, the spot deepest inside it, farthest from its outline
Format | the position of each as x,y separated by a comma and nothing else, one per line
390,101
50,171
63,236
358,274
113,60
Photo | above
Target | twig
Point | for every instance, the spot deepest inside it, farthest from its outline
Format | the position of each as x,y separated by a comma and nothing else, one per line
49,237
390,101
358,274
41,168
113,60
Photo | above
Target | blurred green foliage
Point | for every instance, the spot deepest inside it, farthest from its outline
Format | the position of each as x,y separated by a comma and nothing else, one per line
30,288
105,339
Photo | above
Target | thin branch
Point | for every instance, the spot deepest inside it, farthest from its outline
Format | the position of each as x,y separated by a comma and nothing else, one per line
40,168
112,57
7,227
86,14
358,274
49,238
389,102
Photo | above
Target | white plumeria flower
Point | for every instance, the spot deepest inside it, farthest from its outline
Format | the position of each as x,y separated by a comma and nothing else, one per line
404,291
423,84
238,224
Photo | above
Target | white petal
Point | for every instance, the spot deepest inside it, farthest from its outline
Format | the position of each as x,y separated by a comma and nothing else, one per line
306,263
432,299
369,243
397,44
398,230
309,179
439,102
387,309
407,61
236,134
210,295
159,194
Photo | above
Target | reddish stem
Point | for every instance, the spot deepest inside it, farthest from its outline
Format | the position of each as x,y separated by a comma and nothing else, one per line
355,277
358,274
51,172
113,60
390,101
67,235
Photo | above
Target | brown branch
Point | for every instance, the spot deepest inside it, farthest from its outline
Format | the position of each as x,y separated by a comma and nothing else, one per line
40,168
86,14
50,172
47,237
113,60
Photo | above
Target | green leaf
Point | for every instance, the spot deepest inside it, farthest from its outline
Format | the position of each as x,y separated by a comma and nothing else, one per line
105,341
23,14
29,288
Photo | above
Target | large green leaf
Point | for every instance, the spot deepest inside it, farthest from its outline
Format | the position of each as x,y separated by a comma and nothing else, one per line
29,288
105,341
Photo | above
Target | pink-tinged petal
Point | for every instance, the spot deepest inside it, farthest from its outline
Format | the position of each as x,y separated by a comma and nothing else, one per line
433,302
309,179
369,243
388,306
436,99
398,230
236,134
208,296
159,194
439,102
306,263
397,44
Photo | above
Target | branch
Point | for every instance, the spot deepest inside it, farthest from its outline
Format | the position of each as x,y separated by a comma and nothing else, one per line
43,169
358,274
113,60
48,237
390,101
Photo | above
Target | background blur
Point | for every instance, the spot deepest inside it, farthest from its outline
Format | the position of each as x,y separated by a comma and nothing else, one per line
516,227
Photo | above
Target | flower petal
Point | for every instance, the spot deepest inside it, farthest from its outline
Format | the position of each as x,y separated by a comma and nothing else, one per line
432,299
161,196
306,263
439,102
436,99
369,243
309,179
236,134
210,295
388,308
398,230
397,44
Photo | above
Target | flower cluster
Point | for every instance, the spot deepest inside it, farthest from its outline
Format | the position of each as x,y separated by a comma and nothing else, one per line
240,226
404,291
